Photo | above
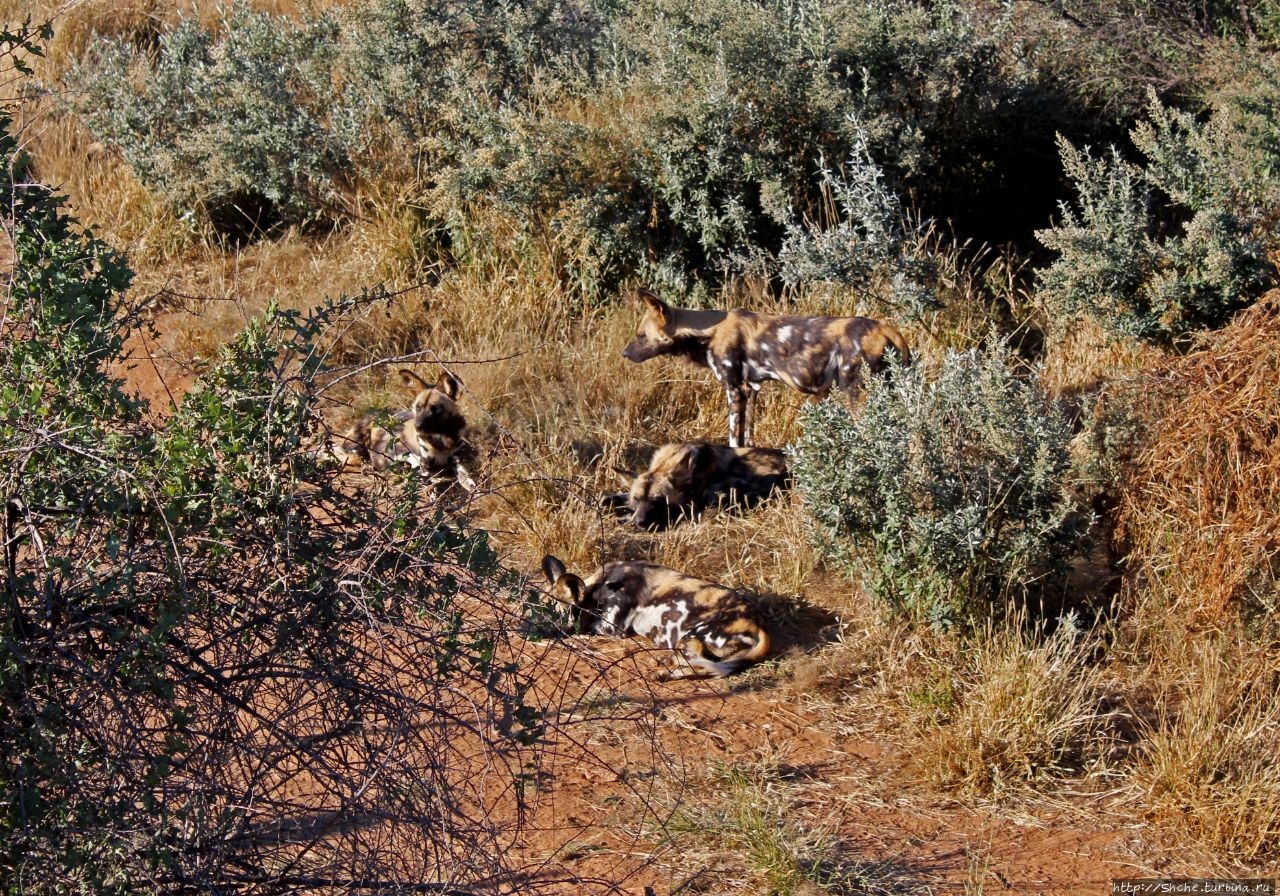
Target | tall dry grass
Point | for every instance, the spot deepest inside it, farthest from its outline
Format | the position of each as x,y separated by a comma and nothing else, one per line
1208,770
1021,710
1199,520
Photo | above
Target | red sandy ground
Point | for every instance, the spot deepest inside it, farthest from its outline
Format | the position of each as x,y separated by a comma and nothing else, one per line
589,820
644,752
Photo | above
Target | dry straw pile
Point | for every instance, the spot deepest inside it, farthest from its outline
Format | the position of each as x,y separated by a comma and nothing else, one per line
1201,511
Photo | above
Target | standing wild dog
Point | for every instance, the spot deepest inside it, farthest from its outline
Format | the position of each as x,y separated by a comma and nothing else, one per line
684,479
428,438
743,349
712,628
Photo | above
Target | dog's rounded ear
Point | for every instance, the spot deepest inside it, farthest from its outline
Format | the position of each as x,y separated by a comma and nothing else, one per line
412,381
618,502
703,459
569,590
694,459
449,384
626,477
655,304
553,569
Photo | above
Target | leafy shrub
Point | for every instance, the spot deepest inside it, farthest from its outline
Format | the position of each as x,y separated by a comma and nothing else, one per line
241,129
652,139
1180,243
747,100
409,64
945,498
693,135
217,667
867,247
569,190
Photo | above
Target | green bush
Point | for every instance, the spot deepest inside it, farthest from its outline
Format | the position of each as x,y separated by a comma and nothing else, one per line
570,191
241,130
216,664
871,247
409,65
1181,242
944,498
650,139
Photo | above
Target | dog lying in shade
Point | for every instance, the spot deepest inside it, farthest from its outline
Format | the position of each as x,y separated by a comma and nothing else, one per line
713,630
685,479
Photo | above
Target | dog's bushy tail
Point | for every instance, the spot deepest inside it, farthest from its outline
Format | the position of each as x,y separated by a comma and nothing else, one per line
754,649
895,342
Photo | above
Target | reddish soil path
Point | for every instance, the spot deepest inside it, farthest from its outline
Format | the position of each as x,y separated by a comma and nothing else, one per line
604,799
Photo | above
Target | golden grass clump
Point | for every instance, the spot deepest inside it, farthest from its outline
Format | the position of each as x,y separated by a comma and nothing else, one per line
1200,511
1017,712
1209,767
1078,360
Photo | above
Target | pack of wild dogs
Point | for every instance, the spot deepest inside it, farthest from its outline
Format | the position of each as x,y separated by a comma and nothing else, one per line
712,630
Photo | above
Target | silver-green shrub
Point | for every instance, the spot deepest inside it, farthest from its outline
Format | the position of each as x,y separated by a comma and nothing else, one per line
1181,241
653,139
692,138
870,245
945,498
241,130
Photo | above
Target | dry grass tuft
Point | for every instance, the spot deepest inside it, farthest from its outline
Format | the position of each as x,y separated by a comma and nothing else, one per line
745,821
1080,359
138,22
1209,771
1201,509
1017,712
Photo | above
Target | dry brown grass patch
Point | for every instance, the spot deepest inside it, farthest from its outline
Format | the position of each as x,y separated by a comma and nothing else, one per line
1017,712
1209,769
1200,507
1086,355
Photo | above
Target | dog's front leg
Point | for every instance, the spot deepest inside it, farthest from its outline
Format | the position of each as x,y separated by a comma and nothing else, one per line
736,397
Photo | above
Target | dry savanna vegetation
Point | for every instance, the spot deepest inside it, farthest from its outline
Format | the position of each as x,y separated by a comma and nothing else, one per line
1023,596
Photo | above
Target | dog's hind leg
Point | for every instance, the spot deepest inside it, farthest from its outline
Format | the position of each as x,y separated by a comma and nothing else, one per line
750,392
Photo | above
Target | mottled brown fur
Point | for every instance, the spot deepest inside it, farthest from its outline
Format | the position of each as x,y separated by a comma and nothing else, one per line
685,479
429,436
714,629
743,349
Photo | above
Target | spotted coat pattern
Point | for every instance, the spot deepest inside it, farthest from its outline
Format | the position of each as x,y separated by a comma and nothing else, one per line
684,479
429,436
714,630
744,349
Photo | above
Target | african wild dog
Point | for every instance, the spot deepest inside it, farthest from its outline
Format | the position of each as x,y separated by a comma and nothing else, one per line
428,438
743,349
713,628
684,479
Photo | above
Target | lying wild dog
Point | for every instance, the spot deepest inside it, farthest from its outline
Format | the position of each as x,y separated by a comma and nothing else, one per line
713,628
684,479
743,349
428,438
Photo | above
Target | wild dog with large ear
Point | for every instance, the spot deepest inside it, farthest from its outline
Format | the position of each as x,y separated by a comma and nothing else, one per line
429,436
743,349
685,479
433,425
713,629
